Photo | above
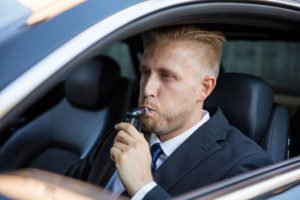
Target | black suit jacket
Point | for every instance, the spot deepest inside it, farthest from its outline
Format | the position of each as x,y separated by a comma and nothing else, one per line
215,151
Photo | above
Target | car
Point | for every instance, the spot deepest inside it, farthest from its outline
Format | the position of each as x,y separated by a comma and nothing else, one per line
52,114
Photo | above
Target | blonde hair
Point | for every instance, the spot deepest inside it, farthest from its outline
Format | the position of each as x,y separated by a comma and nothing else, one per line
213,39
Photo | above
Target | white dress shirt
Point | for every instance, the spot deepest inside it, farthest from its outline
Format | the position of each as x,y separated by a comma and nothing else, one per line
115,185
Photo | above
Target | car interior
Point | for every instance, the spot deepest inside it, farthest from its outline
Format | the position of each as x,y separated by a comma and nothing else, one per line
261,119
68,130
258,90
78,112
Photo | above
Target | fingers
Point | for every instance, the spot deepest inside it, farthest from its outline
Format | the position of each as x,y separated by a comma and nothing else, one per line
114,153
117,149
124,138
122,147
129,129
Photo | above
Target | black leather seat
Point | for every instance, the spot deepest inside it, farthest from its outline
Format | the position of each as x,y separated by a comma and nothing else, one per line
96,97
294,134
248,103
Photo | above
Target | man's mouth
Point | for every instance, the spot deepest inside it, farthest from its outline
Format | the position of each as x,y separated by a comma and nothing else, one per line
149,110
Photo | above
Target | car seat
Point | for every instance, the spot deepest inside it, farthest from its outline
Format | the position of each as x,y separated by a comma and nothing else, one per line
294,133
96,98
248,103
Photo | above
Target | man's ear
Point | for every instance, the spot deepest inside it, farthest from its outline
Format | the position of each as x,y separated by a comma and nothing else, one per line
208,83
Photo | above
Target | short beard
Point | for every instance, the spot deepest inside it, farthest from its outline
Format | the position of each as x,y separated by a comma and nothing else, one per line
167,124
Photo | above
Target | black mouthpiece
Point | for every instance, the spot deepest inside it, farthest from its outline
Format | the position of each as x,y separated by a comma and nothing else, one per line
136,112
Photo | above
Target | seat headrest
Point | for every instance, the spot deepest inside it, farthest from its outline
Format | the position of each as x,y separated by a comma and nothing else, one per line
91,85
246,101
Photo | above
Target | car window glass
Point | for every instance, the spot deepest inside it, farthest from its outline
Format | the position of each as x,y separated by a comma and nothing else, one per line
275,61
120,53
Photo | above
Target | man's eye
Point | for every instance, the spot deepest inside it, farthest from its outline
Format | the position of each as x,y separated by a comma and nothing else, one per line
167,76
144,72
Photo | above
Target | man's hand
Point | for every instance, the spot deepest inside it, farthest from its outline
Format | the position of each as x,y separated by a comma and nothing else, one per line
132,157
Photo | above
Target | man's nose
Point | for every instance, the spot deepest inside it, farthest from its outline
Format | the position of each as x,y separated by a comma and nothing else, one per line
151,86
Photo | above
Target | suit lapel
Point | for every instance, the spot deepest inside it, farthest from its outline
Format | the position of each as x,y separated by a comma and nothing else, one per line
200,145
103,167
106,173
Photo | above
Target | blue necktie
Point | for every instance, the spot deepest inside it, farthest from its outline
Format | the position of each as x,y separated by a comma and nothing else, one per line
156,151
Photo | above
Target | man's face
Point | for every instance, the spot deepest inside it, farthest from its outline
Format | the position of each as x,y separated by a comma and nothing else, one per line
170,86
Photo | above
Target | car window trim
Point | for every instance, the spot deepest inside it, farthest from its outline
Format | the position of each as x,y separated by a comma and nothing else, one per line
249,180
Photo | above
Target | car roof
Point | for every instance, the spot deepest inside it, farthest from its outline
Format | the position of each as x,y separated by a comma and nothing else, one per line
12,15
44,37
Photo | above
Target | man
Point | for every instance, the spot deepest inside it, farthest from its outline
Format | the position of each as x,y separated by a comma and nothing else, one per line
197,146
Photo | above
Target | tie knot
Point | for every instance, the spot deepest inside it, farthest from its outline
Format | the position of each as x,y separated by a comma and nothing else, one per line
156,151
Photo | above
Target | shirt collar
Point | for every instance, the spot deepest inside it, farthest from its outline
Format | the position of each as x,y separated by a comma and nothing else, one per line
170,145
